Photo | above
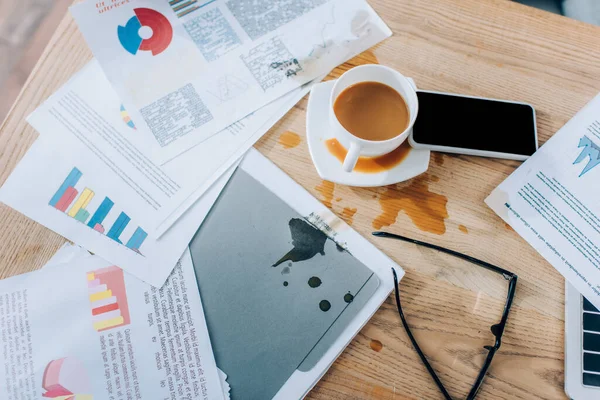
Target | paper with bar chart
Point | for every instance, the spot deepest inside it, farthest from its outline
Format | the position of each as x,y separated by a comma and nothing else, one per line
240,55
84,329
75,203
153,196
78,199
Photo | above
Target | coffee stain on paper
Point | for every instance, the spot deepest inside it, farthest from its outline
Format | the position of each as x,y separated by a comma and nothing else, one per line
348,215
326,189
289,139
370,165
427,210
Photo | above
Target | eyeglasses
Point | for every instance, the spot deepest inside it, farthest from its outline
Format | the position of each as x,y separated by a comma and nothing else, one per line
497,329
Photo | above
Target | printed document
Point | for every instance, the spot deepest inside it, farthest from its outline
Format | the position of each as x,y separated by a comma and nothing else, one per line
77,197
187,70
552,201
84,329
92,127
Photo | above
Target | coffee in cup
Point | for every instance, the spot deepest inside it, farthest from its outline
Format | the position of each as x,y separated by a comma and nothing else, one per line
372,111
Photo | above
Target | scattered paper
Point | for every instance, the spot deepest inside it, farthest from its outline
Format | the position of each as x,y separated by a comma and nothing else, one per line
186,71
91,127
87,329
552,201
78,200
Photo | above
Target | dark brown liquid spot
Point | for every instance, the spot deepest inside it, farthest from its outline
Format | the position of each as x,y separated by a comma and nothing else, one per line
307,240
427,210
438,158
348,215
326,189
324,305
348,298
376,345
314,282
435,178
285,283
285,270
370,165
289,139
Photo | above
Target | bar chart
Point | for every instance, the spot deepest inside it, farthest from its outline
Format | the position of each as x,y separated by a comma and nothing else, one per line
108,298
73,199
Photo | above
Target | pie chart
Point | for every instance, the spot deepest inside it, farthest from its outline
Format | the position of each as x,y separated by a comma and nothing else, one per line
162,32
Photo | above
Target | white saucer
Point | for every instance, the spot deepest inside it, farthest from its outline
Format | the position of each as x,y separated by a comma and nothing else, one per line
330,168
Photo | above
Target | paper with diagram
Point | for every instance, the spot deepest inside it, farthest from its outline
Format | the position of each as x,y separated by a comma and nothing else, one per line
84,329
89,123
552,201
78,198
187,70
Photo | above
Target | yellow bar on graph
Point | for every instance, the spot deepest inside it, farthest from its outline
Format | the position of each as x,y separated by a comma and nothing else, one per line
109,323
100,295
91,276
86,196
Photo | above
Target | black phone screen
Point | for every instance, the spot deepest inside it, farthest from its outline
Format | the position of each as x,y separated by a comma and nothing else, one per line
478,124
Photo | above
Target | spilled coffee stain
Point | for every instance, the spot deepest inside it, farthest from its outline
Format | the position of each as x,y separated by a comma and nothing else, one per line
438,158
348,298
338,199
507,226
289,139
366,57
427,210
285,283
314,282
307,240
324,305
376,345
326,189
370,165
285,270
434,178
348,215
463,229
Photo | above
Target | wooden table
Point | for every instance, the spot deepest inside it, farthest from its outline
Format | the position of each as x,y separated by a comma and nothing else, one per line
490,48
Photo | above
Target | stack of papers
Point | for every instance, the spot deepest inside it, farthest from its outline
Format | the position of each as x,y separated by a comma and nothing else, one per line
133,153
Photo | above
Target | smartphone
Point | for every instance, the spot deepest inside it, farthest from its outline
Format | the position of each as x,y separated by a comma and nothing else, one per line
475,126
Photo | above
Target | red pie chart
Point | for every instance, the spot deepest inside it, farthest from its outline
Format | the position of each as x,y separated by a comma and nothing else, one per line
162,32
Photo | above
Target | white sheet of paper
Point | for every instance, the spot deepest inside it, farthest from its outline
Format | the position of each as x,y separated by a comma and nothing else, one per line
274,179
552,201
85,117
185,73
80,204
87,328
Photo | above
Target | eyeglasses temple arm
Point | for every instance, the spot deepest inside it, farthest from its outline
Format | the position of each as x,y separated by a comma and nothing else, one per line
414,342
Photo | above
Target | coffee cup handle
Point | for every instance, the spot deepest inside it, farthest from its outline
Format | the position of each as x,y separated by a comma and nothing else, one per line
352,157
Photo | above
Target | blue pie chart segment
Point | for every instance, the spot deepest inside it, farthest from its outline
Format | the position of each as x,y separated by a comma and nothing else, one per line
129,35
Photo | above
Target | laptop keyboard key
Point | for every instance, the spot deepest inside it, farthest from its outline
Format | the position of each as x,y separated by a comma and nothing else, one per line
591,362
587,306
591,322
591,379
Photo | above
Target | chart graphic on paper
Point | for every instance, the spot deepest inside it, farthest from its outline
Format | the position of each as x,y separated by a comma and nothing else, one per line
76,201
108,298
162,32
66,379
184,7
126,117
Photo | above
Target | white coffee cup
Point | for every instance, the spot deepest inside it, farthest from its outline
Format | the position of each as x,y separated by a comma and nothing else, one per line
371,148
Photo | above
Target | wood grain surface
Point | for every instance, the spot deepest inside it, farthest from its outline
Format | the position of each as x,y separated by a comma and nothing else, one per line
491,48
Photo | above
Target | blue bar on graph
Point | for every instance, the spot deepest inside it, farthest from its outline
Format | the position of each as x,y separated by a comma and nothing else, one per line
118,227
137,239
71,181
101,212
